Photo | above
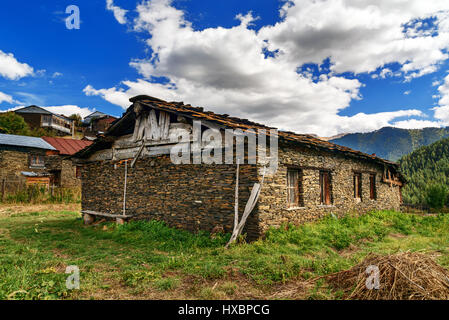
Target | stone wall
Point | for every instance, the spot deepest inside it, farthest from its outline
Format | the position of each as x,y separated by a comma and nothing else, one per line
273,207
13,162
192,197
195,197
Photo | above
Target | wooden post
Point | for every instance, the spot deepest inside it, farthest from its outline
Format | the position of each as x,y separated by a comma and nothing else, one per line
124,188
252,201
3,189
88,218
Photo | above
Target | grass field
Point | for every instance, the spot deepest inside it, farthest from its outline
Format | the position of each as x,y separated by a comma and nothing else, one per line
147,260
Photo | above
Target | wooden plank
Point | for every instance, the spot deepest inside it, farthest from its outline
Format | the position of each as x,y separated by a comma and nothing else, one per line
109,215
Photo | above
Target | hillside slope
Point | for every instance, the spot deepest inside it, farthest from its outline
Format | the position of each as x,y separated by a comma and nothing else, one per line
424,167
392,143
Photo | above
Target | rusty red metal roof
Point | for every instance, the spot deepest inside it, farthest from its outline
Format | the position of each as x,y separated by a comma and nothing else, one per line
67,146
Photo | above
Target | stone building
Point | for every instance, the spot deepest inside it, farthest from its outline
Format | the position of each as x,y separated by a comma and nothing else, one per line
45,161
130,172
97,123
22,162
64,172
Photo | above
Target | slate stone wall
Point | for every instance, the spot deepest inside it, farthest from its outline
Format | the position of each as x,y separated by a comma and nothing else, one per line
200,197
192,197
273,207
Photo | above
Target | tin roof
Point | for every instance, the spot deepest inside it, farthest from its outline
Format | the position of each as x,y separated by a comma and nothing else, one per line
24,141
35,174
127,123
67,146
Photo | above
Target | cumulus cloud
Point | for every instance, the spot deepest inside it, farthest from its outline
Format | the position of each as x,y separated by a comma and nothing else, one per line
119,13
417,124
12,69
441,112
253,73
6,98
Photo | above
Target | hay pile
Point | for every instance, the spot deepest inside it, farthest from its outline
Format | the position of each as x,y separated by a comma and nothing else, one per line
402,276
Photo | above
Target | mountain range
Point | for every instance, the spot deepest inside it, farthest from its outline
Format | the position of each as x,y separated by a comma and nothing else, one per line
392,143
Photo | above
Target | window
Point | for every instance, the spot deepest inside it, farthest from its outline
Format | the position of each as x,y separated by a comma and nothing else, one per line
37,161
78,172
358,186
294,198
325,186
372,187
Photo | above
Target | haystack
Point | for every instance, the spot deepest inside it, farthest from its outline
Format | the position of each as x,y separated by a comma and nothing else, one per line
402,276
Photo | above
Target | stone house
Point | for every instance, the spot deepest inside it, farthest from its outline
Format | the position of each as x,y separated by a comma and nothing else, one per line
44,161
22,162
129,173
64,172
97,123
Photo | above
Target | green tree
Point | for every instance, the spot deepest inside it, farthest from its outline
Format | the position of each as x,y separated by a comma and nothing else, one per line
436,196
12,123
77,118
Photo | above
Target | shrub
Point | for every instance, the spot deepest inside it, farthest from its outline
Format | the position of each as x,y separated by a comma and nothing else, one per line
436,196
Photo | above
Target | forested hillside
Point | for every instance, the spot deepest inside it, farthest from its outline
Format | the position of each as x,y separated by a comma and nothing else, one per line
427,168
392,143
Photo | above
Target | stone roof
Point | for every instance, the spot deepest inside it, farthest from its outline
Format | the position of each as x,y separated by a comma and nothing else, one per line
126,123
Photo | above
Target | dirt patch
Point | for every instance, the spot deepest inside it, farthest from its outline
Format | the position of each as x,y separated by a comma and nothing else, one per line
397,235
7,210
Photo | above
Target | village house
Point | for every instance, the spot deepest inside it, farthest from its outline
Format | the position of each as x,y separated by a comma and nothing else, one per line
45,161
37,117
64,172
96,123
128,173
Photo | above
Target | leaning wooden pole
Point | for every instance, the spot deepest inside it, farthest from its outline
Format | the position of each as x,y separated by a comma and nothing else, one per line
252,201
124,188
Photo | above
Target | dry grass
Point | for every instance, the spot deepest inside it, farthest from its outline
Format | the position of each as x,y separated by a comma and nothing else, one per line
7,210
403,276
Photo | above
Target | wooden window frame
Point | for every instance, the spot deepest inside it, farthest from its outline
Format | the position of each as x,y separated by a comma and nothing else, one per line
294,188
325,188
372,187
37,161
78,172
357,185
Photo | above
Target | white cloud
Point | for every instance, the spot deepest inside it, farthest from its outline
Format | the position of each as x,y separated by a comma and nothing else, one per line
119,13
407,92
57,74
6,98
441,112
12,69
226,70
66,110
417,124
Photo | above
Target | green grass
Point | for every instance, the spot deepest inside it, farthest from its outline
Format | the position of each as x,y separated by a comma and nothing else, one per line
149,259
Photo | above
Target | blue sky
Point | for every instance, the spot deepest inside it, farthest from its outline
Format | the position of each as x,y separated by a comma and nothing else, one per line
322,67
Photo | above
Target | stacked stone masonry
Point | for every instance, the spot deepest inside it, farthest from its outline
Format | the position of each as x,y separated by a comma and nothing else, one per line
201,197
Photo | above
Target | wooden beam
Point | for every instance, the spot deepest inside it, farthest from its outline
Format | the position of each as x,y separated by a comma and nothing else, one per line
107,215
